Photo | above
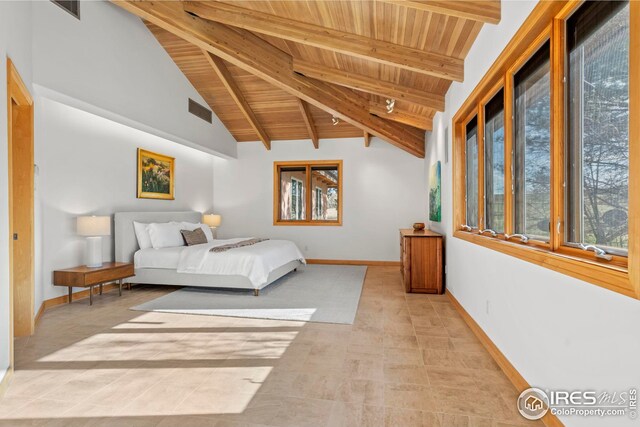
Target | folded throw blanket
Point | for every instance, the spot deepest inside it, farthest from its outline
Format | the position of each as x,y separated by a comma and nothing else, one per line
224,248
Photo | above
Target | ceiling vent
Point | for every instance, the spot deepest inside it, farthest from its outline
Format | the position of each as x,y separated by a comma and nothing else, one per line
200,111
71,6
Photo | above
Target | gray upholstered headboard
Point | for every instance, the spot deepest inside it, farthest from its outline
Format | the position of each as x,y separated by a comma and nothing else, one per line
125,236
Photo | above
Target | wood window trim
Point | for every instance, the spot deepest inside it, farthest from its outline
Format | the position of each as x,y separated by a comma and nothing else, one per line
307,164
547,22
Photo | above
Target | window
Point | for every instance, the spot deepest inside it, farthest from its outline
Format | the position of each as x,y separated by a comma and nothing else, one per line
472,173
308,193
598,134
545,150
494,163
532,146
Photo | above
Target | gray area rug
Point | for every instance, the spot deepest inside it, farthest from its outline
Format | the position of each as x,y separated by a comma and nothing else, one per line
314,293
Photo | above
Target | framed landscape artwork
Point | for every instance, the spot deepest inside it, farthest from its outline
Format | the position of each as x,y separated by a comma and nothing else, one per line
435,207
155,175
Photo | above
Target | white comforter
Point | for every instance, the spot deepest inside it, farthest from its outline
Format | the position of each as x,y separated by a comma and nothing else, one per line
254,262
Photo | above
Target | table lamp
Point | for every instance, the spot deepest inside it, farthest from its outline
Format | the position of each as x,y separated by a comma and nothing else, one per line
213,221
94,227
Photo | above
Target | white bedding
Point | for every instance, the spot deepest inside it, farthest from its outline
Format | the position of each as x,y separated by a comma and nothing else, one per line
166,258
254,262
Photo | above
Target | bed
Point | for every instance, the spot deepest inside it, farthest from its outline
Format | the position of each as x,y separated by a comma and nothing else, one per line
161,266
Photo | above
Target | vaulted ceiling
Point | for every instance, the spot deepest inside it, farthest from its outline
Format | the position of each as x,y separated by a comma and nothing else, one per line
281,70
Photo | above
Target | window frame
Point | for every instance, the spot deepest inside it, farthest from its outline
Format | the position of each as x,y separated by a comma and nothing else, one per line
308,165
548,22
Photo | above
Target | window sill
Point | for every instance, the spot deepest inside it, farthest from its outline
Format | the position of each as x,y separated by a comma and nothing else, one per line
612,277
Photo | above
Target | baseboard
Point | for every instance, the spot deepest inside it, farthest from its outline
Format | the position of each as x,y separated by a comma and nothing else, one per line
509,370
63,299
4,383
38,316
354,262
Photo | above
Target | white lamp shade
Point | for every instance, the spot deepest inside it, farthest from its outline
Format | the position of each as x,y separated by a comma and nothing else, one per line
94,225
212,220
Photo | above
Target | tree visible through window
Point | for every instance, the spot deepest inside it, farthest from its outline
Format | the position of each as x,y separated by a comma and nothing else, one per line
532,146
297,199
472,172
598,105
494,162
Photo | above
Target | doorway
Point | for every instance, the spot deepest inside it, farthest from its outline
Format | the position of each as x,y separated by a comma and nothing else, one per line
21,200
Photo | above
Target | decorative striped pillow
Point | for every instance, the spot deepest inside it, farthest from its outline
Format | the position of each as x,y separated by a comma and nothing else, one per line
194,237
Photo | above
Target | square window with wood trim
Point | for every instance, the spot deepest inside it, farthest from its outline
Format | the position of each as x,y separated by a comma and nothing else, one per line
543,149
307,192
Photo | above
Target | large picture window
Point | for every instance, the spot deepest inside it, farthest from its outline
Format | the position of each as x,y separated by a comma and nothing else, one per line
472,173
308,193
494,163
598,111
532,146
547,148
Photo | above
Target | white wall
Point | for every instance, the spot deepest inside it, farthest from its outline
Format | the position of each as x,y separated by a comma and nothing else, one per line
383,191
116,90
87,165
110,64
559,332
15,43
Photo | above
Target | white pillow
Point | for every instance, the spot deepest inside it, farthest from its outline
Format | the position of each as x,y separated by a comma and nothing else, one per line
165,234
192,226
144,240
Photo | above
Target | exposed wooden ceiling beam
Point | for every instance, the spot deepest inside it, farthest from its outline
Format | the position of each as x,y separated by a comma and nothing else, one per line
308,121
420,122
254,55
417,60
367,139
487,11
370,85
228,81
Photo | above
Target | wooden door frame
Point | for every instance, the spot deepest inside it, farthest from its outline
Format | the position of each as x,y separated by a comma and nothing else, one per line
18,96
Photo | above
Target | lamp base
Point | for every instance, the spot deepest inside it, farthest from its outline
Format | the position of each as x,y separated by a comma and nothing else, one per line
94,252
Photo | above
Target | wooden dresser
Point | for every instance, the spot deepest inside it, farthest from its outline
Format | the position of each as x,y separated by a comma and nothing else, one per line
421,261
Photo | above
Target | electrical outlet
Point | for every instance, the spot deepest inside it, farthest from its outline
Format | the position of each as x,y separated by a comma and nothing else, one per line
306,248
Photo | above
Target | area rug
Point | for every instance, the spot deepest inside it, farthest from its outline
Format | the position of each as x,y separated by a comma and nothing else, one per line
314,293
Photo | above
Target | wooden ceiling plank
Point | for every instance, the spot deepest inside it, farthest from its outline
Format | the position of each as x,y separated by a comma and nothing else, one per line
308,121
420,61
252,54
369,85
485,11
234,91
417,121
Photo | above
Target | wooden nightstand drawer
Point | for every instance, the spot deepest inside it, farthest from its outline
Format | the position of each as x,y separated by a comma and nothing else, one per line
115,273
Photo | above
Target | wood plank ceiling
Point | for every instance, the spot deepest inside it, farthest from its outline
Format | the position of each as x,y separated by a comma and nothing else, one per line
366,52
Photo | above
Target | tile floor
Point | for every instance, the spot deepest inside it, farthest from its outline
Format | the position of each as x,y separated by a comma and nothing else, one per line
408,360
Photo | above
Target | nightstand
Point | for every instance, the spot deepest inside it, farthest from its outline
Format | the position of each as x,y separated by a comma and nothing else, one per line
88,277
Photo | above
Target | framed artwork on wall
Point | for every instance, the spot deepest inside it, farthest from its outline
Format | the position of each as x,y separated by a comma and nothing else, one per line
435,207
155,175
